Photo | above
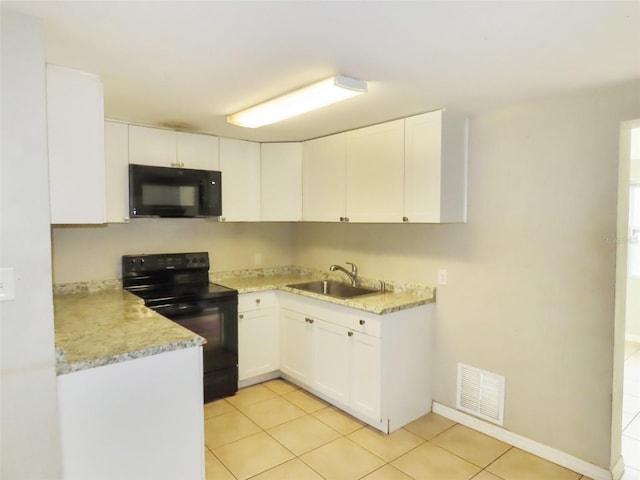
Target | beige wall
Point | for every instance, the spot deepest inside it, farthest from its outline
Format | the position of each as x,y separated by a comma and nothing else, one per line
29,428
93,253
531,276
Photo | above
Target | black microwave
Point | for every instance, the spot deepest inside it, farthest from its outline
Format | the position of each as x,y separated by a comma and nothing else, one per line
174,192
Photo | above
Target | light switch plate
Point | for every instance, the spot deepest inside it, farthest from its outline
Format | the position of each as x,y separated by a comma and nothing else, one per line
7,284
442,276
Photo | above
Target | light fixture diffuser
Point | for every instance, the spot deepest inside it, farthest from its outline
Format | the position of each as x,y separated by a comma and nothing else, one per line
312,97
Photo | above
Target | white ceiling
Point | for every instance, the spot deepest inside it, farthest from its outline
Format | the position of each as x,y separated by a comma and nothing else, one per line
190,63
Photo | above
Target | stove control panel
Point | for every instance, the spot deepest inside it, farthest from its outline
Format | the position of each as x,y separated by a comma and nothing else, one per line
164,261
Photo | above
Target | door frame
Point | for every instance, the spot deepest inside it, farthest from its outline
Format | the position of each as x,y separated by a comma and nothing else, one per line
621,240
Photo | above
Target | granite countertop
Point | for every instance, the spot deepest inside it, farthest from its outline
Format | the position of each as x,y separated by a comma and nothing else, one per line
397,297
105,326
98,323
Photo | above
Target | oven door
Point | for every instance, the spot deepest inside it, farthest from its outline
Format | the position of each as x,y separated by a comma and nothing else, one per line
217,322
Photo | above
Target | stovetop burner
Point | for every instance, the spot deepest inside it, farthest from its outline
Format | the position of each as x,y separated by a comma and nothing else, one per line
171,278
183,293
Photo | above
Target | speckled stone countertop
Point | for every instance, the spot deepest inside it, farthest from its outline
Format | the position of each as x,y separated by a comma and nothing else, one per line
109,325
396,297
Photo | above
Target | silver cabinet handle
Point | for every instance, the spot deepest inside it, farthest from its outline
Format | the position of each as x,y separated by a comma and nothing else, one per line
257,300
361,322
308,320
241,316
177,164
350,334
405,219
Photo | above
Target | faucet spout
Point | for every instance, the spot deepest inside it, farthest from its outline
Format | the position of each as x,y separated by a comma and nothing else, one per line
353,274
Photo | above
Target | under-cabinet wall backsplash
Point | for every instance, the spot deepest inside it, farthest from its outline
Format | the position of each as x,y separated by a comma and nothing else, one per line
87,253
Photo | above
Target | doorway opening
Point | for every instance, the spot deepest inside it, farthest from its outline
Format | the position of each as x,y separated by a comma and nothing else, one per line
626,440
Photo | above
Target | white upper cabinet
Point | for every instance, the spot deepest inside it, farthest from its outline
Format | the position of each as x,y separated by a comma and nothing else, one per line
281,182
375,173
435,182
240,166
168,148
75,127
323,179
116,151
198,151
152,146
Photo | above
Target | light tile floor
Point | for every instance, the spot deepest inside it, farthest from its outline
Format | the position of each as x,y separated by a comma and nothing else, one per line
631,411
274,431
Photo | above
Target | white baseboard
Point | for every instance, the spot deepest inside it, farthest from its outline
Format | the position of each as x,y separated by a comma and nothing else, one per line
632,338
526,444
618,469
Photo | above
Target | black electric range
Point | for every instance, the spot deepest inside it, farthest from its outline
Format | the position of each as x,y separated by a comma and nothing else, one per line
177,286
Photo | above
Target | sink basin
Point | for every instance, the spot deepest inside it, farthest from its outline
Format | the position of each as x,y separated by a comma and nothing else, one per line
333,289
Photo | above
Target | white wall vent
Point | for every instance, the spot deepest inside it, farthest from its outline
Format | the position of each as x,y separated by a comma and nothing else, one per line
480,393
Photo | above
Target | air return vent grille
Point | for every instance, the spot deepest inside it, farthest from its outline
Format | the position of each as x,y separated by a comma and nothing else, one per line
481,393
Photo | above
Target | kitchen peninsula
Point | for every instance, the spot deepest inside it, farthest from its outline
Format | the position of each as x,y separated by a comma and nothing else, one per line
129,388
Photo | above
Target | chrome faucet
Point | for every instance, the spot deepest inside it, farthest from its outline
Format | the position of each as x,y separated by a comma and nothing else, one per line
353,274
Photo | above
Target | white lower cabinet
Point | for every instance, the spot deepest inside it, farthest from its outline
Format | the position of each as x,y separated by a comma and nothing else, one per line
365,375
258,340
375,367
133,420
297,345
332,360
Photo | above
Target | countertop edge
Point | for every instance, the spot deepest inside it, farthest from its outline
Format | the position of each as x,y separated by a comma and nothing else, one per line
63,368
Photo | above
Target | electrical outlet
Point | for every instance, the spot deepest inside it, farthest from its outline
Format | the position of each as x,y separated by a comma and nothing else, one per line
7,284
257,259
442,276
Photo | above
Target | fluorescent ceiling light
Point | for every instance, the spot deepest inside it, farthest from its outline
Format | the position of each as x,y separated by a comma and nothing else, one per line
309,98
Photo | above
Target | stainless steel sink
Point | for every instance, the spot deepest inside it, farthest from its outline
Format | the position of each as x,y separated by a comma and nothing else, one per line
332,288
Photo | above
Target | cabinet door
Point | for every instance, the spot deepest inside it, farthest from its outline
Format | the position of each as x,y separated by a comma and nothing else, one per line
323,179
257,343
332,345
281,182
197,151
116,151
365,375
375,173
422,167
435,182
296,342
75,127
240,166
152,146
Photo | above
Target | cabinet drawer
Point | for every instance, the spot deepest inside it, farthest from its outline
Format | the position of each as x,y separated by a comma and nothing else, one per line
256,301
366,324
